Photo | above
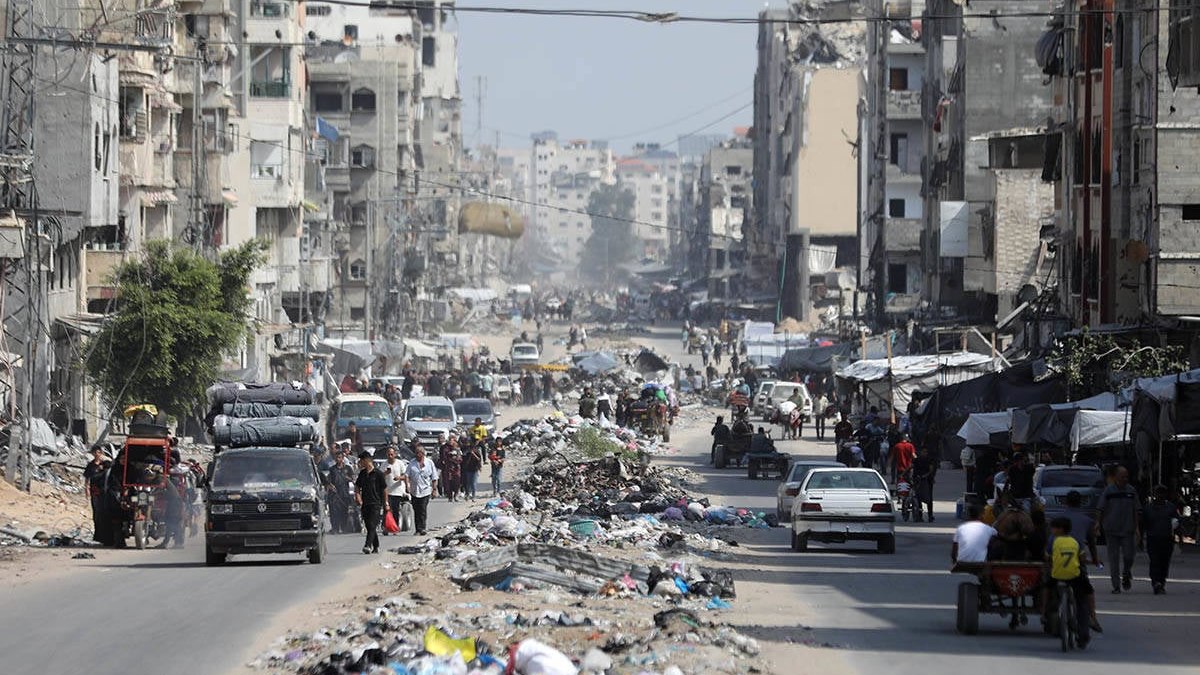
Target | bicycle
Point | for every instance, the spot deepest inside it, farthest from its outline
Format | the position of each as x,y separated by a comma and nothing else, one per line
1068,627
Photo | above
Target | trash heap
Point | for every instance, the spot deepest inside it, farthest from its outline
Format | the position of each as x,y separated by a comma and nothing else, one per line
560,433
593,566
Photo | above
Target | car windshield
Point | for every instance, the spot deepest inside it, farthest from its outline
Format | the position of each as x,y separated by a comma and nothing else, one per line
266,471
1075,478
526,350
369,410
429,413
845,480
473,409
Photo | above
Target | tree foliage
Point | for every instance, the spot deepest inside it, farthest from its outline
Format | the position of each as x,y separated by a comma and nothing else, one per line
611,241
1094,362
177,315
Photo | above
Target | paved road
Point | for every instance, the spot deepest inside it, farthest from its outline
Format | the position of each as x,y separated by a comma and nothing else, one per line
895,613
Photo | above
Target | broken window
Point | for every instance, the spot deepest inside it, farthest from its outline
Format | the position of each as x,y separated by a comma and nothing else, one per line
898,79
896,208
362,157
327,101
358,270
898,151
428,52
362,100
897,278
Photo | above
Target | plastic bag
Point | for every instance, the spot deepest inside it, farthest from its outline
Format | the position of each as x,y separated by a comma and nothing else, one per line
389,523
532,656
440,644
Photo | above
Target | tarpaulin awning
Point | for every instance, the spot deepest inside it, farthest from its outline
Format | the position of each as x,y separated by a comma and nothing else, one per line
418,349
1100,427
907,367
595,363
979,427
475,294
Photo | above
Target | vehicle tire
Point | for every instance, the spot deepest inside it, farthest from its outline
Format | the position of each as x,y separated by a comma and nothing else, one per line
316,554
887,544
139,534
719,460
968,608
212,558
799,542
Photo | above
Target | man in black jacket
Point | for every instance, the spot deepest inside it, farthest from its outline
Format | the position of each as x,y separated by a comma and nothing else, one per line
371,495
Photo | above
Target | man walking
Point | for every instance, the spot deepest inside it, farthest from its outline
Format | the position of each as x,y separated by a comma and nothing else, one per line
422,481
396,472
1119,513
93,479
496,459
370,491
1159,526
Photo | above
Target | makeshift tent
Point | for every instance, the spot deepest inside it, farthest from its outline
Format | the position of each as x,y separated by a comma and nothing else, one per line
979,428
826,359
415,349
1099,427
595,363
648,362
768,349
895,382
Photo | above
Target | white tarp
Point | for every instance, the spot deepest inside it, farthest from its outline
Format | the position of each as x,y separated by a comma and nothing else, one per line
753,329
1103,401
1160,388
907,367
475,294
457,341
979,427
1099,427
418,349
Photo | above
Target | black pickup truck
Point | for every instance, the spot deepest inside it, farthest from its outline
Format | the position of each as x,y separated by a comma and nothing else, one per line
264,500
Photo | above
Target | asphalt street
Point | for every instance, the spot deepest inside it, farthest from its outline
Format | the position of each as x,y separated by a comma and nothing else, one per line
878,613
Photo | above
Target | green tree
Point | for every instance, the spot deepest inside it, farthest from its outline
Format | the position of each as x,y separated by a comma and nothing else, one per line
1095,362
611,242
177,315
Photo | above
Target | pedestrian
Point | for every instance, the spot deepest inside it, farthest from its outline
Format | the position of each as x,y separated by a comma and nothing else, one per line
472,462
93,481
370,494
478,432
924,471
967,456
355,437
496,458
337,482
451,469
1158,522
904,453
547,386
396,472
422,480
1119,513
819,414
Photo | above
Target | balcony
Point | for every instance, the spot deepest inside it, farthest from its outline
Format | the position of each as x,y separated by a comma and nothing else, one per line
903,234
271,89
269,9
904,105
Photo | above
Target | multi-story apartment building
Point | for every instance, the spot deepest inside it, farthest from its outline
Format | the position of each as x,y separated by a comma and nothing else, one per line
651,207
1127,116
808,86
563,177
984,204
726,200
892,152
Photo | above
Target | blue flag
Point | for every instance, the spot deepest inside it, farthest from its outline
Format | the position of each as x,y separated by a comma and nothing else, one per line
326,130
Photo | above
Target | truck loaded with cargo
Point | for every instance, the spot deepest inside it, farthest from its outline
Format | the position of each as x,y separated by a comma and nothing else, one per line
265,494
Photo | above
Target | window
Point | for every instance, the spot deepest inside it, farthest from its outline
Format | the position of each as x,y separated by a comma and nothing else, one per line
269,10
134,120
108,136
1191,211
898,152
428,52
1185,43
196,25
897,278
317,10
358,214
357,313
358,270
656,189
656,215
327,101
363,100
896,208
350,31
427,17
98,159
733,171
266,160
898,79
362,157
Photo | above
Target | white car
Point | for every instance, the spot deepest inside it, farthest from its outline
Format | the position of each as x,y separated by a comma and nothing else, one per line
761,396
789,487
838,505
784,391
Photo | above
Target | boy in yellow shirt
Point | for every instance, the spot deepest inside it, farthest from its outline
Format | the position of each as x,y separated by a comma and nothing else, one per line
1066,565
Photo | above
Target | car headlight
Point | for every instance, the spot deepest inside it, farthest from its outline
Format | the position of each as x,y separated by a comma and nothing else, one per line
221,509
302,507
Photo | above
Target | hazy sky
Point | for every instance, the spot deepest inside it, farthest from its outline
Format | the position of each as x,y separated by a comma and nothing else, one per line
606,78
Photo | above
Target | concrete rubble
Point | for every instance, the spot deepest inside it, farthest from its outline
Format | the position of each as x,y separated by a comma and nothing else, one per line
593,565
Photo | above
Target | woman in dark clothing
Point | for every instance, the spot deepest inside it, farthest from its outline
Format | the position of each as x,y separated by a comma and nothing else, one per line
451,469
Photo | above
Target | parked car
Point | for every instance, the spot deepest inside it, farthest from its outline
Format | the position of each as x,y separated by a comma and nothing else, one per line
1052,483
428,420
790,485
468,409
761,396
835,505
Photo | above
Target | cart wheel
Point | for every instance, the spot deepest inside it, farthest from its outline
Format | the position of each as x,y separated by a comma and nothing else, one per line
139,534
212,558
968,608
719,460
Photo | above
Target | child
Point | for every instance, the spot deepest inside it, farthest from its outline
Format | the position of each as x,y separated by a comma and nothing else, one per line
1066,565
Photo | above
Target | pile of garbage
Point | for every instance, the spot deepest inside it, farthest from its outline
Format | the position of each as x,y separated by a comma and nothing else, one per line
558,433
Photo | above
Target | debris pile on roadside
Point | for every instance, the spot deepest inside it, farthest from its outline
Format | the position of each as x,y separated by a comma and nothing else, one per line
561,434
595,565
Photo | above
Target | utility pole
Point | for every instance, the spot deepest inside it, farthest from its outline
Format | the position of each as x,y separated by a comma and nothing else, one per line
197,227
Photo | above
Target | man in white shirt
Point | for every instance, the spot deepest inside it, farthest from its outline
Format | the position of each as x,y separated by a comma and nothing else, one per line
422,481
971,539
396,473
